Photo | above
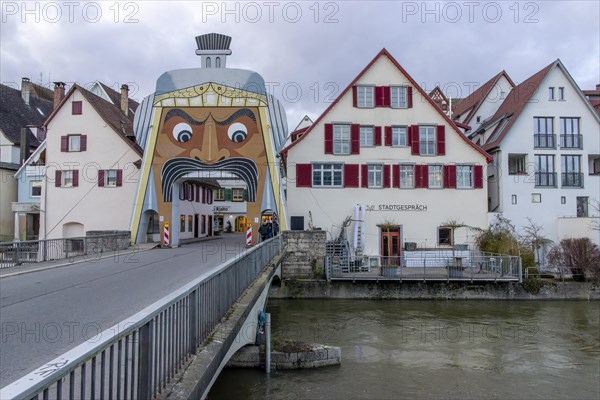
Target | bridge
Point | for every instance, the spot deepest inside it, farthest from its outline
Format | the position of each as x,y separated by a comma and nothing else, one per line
175,347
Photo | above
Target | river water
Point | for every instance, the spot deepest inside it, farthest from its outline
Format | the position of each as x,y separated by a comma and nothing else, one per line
433,350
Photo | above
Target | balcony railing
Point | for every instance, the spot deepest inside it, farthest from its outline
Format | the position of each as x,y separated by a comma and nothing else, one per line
545,179
544,141
571,141
572,179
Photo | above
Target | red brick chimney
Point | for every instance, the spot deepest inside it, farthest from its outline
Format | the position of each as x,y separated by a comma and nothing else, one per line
25,90
59,93
125,100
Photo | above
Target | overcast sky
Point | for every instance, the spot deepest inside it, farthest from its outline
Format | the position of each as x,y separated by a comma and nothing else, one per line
315,48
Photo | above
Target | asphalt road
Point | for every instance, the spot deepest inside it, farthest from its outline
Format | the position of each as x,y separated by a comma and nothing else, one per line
45,313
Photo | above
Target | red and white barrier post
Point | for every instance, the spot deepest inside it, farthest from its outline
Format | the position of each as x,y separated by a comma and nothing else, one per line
166,238
249,235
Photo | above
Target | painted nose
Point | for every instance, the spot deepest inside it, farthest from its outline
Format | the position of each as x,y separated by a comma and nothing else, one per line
210,151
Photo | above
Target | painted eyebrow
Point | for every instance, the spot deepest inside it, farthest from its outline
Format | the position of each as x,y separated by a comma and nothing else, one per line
239,113
176,112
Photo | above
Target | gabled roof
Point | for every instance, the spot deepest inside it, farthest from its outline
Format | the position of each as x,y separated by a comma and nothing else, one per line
518,99
15,114
35,156
109,112
472,102
42,92
437,92
418,88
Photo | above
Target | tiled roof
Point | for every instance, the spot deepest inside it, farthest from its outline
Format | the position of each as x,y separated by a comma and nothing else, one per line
15,114
115,97
472,102
513,105
42,92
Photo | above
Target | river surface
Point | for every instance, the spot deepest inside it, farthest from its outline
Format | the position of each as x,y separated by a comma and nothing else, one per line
400,349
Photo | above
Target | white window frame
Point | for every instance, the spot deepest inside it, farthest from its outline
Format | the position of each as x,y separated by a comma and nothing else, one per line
464,173
341,139
66,179
35,183
237,194
367,136
110,178
434,170
427,142
399,96
74,145
399,138
536,197
551,93
561,94
321,170
375,176
407,176
220,195
365,96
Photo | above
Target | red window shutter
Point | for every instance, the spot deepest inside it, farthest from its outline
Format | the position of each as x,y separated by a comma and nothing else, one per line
409,97
83,143
355,139
197,194
210,196
414,140
364,175
386,96
388,135
396,175
421,176
478,177
75,178
119,177
441,140
64,143
328,139
76,108
57,178
351,177
377,136
303,175
354,96
386,176
203,195
378,96
101,178
450,176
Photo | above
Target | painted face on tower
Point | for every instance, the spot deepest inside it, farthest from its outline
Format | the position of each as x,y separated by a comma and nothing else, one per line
209,139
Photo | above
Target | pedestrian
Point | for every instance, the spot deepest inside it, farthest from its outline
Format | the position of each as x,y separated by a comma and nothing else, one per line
263,231
275,228
270,226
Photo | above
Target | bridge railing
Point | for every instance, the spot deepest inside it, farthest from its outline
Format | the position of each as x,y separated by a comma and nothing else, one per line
138,357
34,251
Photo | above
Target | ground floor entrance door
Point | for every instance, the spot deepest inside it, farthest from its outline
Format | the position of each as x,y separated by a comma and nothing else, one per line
196,223
391,240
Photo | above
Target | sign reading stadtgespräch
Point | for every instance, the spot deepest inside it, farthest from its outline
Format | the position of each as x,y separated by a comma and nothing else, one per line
395,207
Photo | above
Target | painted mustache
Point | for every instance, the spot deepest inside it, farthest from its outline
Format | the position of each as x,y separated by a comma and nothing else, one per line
176,168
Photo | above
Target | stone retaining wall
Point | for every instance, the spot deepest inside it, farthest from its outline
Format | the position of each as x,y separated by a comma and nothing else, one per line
318,356
318,289
99,242
305,254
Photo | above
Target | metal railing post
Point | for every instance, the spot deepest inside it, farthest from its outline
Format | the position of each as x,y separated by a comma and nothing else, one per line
145,362
193,321
520,268
268,342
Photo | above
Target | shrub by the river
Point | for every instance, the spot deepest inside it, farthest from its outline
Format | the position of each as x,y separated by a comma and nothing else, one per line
580,256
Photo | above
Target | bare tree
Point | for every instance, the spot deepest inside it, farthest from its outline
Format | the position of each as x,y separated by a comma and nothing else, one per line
534,237
453,225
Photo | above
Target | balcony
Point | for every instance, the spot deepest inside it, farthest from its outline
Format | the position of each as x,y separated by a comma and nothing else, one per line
544,141
545,179
572,179
571,141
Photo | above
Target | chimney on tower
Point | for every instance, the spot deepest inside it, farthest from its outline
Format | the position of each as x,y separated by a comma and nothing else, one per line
213,48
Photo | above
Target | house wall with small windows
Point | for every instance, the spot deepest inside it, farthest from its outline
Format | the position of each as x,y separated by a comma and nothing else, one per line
492,102
195,210
395,184
559,186
93,184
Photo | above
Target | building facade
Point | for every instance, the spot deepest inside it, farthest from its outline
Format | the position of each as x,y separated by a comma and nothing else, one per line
545,141
385,162
92,166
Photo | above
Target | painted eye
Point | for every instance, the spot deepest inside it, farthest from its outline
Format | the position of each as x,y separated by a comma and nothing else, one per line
237,132
182,132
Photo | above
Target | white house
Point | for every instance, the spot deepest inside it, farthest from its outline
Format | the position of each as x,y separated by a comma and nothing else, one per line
195,210
474,109
545,141
384,147
92,165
